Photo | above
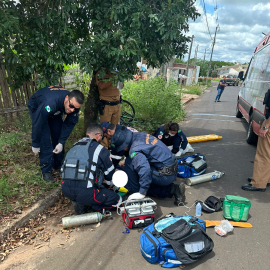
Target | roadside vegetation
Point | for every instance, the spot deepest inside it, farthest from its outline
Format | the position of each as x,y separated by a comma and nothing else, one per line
155,101
21,182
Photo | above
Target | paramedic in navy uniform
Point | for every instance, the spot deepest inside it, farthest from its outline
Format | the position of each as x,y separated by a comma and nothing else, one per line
49,131
150,166
82,192
108,131
171,135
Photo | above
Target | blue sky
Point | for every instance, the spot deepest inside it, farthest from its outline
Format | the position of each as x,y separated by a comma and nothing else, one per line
241,23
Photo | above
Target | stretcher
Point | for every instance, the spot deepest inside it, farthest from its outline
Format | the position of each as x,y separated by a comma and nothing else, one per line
203,138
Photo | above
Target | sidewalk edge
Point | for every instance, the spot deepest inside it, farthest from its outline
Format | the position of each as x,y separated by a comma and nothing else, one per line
36,209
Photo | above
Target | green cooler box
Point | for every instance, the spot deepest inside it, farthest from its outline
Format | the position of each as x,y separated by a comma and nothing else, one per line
236,208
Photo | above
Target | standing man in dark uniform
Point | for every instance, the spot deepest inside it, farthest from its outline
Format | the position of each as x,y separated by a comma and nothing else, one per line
49,131
171,135
150,166
86,166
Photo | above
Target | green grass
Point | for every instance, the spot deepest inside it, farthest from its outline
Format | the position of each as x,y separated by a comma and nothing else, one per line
21,182
194,89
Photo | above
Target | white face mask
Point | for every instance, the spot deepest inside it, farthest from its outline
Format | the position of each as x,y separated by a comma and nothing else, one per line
171,134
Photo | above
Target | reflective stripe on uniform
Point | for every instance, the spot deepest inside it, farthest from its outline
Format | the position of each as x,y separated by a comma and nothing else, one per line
93,167
115,157
109,170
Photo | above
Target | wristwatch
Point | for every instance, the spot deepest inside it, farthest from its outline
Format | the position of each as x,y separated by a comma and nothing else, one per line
264,128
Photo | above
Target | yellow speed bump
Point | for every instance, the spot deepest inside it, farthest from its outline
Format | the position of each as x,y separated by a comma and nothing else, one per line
203,138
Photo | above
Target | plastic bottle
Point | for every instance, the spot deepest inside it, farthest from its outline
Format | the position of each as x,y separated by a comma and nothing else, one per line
198,209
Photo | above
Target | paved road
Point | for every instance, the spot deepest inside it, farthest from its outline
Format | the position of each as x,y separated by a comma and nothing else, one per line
107,248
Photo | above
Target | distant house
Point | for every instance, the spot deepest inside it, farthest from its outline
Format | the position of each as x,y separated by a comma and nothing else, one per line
231,70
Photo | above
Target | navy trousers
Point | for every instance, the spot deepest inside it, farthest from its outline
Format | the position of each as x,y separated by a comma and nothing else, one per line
99,199
49,139
160,186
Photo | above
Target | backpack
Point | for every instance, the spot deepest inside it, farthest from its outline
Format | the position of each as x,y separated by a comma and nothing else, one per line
191,165
76,165
175,240
212,204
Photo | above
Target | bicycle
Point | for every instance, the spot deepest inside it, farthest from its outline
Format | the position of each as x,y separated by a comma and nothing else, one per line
127,113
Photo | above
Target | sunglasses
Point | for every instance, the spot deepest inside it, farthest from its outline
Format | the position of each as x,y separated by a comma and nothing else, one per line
71,106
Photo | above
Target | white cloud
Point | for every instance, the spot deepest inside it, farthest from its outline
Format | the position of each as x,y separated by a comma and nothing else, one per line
241,23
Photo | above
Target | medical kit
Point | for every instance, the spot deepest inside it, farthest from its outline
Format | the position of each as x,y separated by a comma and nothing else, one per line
236,208
138,213
191,165
175,240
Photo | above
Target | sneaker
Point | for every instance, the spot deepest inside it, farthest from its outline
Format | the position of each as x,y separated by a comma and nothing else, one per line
178,191
79,208
48,177
218,101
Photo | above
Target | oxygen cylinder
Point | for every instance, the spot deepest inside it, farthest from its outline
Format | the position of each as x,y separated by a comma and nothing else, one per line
204,178
74,221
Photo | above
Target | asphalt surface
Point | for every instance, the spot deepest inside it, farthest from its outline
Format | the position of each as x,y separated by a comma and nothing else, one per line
106,247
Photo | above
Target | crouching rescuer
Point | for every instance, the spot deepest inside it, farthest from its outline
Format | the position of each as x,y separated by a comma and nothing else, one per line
86,166
150,166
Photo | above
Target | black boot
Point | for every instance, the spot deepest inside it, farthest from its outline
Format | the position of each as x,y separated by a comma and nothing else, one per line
48,177
79,208
178,191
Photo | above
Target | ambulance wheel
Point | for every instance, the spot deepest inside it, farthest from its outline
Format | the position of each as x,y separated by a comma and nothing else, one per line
252,138
238,113
127,113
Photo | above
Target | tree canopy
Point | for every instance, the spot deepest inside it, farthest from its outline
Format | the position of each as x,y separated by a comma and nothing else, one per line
40,36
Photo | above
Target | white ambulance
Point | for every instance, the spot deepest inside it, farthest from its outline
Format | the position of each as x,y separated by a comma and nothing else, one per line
255,83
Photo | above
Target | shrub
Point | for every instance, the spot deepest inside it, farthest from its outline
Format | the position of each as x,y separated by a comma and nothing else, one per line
155,101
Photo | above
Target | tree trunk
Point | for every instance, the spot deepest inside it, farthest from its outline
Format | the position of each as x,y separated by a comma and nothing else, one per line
91,110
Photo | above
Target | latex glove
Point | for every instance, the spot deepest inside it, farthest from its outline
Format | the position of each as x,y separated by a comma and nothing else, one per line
109,183
136,196
35,150
179,153
58,148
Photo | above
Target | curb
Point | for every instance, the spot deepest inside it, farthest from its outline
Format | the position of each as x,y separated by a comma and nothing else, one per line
36,209
187,101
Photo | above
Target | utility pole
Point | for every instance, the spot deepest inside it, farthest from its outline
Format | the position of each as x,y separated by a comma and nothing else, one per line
195,55
189,53
211,54
204,54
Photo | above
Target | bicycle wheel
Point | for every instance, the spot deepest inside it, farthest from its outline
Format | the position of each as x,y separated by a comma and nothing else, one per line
127,113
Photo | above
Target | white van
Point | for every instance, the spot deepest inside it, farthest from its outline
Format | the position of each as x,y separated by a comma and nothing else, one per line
254,86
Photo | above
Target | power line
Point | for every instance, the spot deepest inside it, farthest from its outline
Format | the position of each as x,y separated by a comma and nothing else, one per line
204,9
